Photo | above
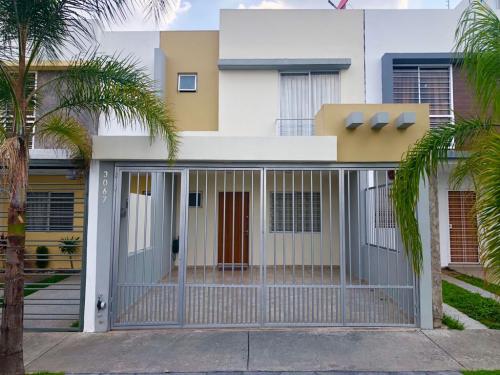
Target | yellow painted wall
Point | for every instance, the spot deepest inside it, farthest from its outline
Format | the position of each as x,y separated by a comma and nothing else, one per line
192,52
51,239
365,144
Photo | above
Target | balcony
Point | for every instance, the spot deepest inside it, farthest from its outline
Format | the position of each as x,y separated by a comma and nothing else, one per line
295,127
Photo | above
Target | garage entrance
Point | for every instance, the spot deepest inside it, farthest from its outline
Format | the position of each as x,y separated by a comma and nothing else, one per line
283,246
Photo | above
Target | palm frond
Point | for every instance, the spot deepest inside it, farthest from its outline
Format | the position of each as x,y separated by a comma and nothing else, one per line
478,39
483,165
158,9
419,162
61,132
115,88
49,27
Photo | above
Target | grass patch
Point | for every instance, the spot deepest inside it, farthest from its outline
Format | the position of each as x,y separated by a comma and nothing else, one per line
484,310
452,323
75,324
482,372
480,283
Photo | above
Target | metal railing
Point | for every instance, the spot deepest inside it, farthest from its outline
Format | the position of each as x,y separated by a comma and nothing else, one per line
295,127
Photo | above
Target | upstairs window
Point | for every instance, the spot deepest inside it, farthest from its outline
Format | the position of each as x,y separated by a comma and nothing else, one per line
432,85
301,97
187,82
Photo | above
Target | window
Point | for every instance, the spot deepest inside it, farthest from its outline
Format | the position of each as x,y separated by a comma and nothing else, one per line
301,97
295,212
380,221
195,199
187,82
7,116
49,211
415,84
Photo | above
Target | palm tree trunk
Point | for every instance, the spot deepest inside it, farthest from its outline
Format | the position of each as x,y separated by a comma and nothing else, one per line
437,296
11,342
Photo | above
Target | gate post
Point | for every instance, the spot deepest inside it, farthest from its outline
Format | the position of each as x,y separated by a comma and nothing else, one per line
99,245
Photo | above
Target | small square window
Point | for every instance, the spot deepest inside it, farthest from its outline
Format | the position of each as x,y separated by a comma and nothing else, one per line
187,82
195,199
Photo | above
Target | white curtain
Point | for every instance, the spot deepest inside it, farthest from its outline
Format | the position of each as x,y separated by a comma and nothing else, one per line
302,95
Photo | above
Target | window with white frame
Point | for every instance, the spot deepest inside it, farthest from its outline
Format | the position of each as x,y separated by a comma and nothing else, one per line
301,97
7,114
426,84
50,211
295,212
187,82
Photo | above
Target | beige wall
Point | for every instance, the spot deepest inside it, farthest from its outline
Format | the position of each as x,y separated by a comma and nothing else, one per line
365,144
192,52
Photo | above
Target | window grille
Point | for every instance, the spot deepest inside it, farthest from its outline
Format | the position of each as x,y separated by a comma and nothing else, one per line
432,85
50,211
295,212
7,114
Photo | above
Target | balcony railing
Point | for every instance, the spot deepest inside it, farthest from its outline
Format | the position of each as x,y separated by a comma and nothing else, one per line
295,127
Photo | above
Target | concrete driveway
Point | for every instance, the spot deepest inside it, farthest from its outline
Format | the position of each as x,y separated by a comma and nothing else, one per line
187,350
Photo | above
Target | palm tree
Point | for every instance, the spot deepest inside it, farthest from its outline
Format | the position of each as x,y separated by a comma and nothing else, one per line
35,32
478,40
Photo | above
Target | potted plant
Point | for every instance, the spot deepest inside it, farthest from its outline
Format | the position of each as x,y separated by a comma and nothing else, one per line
69,246
42,256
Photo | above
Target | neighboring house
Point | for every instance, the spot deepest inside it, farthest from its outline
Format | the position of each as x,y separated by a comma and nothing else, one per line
412,50
55,211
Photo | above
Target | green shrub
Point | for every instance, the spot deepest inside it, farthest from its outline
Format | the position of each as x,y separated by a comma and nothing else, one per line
42,256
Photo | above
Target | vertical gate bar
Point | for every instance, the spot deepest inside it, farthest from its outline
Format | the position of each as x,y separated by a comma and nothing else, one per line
342,244
294,229
330,221
251,228
311,226
224,236
321,224
387,233
233,222
136,278
183,238
242,222
172,188
205,241
284,225
274,244
195,251
145,232
262,267
302,203
216,229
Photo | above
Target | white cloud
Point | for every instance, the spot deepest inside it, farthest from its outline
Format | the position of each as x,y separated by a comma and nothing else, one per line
353,4
266,4
138,20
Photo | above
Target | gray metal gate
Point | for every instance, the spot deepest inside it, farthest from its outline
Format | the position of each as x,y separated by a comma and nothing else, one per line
258,247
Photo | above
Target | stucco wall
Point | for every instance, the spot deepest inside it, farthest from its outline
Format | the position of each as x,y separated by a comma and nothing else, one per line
192,52
365,144
249,100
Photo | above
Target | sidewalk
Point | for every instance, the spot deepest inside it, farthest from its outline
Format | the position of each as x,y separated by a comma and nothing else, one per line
190,350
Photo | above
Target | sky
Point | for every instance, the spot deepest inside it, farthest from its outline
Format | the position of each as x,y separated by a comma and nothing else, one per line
204,14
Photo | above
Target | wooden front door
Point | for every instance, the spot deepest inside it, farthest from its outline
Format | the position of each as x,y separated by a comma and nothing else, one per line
463,227
233,228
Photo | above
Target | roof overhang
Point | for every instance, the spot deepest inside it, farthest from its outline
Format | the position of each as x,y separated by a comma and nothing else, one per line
285,64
